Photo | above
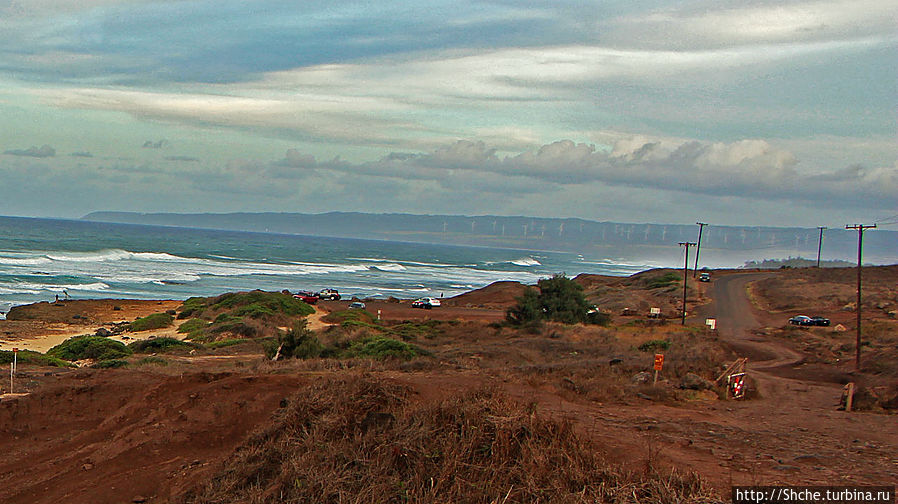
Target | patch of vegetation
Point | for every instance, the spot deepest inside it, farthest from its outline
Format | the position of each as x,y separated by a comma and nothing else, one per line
110,364
260,301
161,345
558,299
32,357
410,330
194,325
89,347
234,325
154,321
380,347
654,345
666,280
339,317
244,314
192,307
298,342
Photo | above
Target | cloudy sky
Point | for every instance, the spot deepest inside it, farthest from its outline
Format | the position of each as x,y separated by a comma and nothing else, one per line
748,112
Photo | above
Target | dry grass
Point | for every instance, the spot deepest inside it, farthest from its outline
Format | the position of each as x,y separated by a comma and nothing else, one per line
358,440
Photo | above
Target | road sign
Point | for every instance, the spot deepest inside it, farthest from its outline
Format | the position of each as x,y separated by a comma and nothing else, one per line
711,323
14,350
737,385
659,361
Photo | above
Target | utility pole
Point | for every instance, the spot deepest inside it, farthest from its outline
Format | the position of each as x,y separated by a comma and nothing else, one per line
860,245
820,244
698,248
685,275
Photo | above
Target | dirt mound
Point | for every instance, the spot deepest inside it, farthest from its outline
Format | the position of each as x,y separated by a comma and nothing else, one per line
498,295
88,311
107,436
359,439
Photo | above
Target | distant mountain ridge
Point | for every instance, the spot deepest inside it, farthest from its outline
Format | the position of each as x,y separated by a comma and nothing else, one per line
531,233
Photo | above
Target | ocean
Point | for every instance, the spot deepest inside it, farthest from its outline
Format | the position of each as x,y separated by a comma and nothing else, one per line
43,258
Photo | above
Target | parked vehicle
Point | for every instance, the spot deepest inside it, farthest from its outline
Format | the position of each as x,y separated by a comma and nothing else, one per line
704,277
307,297
801,320
329,295
356,306
426,303
820,321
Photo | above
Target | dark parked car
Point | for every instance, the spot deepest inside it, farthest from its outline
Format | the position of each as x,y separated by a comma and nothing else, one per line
356,306
820,321
801,320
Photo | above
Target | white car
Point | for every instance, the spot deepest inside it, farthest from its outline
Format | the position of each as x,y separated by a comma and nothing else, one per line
426,303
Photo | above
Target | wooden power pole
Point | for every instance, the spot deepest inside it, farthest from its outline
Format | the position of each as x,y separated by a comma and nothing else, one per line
685,275
820,244
698,248
860,246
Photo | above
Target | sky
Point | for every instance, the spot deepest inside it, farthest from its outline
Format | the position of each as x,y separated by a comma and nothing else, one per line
779,113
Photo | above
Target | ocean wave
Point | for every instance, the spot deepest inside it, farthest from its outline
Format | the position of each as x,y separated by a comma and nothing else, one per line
35,288
399,261
526,261
390,267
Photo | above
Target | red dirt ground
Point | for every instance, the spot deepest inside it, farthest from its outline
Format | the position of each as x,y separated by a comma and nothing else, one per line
148,434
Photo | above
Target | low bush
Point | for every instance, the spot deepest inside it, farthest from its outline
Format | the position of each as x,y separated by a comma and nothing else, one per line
653,345
110,364
192,325
192,307
380,347
666,280
154,321
342,316
89,347
212,345
409,330
32,357
161,345
262,303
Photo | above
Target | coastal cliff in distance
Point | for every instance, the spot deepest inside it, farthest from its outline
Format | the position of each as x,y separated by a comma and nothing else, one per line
532,233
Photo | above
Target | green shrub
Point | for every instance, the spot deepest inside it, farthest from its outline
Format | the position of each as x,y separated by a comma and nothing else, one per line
559,299
32,357
233,325
110,364
666,280
160,345
254,310
192,306
192,325
89,347
262,302
154,321
653,345
339,317
380,347
298,342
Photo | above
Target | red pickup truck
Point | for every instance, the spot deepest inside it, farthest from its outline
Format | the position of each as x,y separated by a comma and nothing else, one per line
306,297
